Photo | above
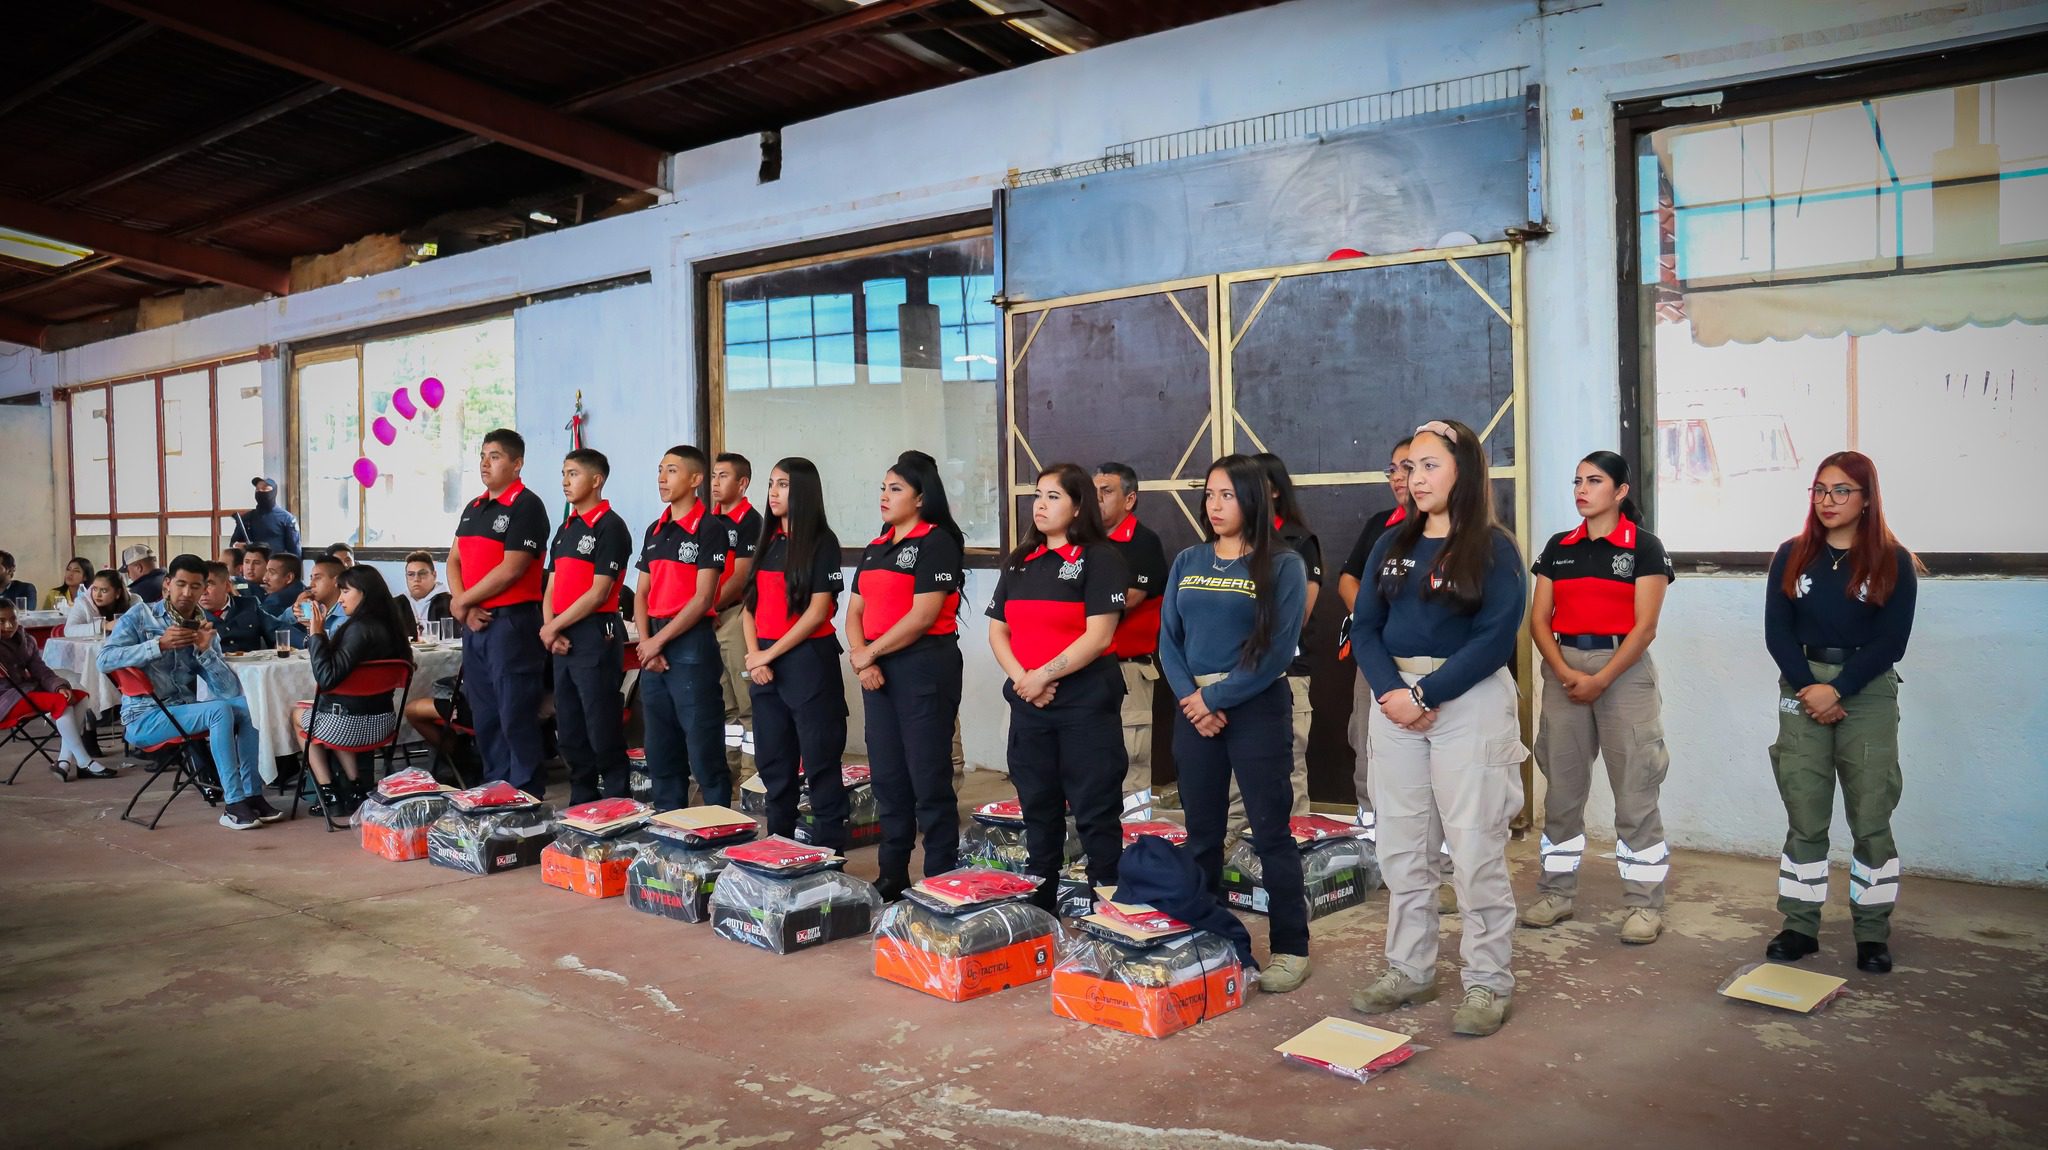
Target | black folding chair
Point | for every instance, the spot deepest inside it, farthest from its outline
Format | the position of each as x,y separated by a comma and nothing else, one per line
27,723
181,756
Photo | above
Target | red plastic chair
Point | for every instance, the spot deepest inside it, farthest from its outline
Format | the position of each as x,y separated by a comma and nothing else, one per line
367,680
27,723
178,756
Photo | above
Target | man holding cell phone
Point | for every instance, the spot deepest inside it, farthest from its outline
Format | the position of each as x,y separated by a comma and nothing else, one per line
175,644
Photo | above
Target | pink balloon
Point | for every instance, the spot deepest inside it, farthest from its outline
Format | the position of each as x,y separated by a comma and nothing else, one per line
432,392
384,430
366,471
402,400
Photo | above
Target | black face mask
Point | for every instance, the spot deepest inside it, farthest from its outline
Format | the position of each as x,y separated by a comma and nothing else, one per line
265,500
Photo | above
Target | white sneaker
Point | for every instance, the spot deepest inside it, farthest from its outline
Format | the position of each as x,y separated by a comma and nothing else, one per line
238,817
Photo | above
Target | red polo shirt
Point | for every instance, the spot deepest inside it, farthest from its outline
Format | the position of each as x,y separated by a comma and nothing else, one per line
893,572
1593,581
515,520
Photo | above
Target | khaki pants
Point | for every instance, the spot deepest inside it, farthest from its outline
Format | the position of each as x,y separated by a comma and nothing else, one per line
1141,684
739,701
1862,751
1461,782
1624,726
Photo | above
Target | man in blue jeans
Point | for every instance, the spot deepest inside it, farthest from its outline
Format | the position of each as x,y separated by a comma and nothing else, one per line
173,641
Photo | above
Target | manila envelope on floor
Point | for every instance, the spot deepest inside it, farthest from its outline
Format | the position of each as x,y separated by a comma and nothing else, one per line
1785,987
1342,1044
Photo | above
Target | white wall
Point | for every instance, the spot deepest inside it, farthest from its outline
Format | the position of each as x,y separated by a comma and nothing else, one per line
29,526
945,151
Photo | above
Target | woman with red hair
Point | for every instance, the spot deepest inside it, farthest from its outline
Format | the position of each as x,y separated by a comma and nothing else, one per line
1838,611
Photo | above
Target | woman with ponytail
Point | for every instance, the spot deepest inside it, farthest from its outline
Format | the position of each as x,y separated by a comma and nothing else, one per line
1434,633
1599,588
1838,611
793,655
1229,622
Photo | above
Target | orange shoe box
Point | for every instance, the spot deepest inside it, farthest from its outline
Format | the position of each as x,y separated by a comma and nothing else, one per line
398,845
966,976
581,876
1153,1012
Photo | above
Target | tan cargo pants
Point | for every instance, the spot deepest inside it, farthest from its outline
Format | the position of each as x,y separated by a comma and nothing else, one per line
739,702
1141,683
1461,782
1624,726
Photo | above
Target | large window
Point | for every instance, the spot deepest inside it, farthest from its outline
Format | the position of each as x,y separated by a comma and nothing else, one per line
852,358
1870,274
164,460
429,469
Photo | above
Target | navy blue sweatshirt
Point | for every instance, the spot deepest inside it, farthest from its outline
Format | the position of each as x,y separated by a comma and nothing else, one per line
1824,614
1473,646
1205,616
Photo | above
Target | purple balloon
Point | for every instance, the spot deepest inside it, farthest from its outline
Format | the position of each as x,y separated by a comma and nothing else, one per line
366,471
384,430
402,400
432,393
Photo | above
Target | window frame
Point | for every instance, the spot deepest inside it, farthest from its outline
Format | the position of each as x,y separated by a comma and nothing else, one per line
711,275
160,518
1828,84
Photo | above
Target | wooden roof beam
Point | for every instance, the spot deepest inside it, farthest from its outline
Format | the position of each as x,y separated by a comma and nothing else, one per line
287,40
144,249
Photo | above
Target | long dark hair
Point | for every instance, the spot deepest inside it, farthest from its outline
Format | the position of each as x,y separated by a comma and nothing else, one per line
1459,573
380,607
84,567
1875,562
114,579
921,471
1086,529
1286,504
1262,546
1617,469
807,528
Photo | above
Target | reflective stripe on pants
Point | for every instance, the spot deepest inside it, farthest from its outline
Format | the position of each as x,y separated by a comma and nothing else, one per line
1625,728
1862,753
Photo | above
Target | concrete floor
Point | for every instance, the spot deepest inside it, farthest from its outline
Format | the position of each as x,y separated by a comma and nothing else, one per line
196,987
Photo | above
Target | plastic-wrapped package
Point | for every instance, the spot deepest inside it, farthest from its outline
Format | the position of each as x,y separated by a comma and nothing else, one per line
863,817
790,913
1337,872
488,841
998,843
956,957
1152,991
1349,1049
396,829
1783,987
674,879
589,864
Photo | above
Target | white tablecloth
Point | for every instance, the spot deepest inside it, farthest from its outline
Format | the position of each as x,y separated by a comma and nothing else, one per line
274,685
78,661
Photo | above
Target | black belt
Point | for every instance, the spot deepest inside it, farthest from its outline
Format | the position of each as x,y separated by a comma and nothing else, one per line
1589,642
1835,655
1140,660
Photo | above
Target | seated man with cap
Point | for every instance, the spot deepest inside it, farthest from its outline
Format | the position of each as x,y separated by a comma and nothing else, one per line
145,580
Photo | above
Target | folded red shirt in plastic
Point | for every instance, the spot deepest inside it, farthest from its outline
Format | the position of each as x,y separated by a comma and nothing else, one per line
1003,811
1171,832
973,886
411,781
778,855
491,796
606,817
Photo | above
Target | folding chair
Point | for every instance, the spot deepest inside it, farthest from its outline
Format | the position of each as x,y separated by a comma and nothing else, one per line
27,723
368,680
179,756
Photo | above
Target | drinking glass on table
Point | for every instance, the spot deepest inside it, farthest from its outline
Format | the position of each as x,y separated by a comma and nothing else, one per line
284,643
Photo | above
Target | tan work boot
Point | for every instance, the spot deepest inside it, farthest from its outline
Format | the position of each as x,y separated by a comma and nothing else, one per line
1392,991
1641,926
1283,972
1481,1013
1549,910
1446,899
